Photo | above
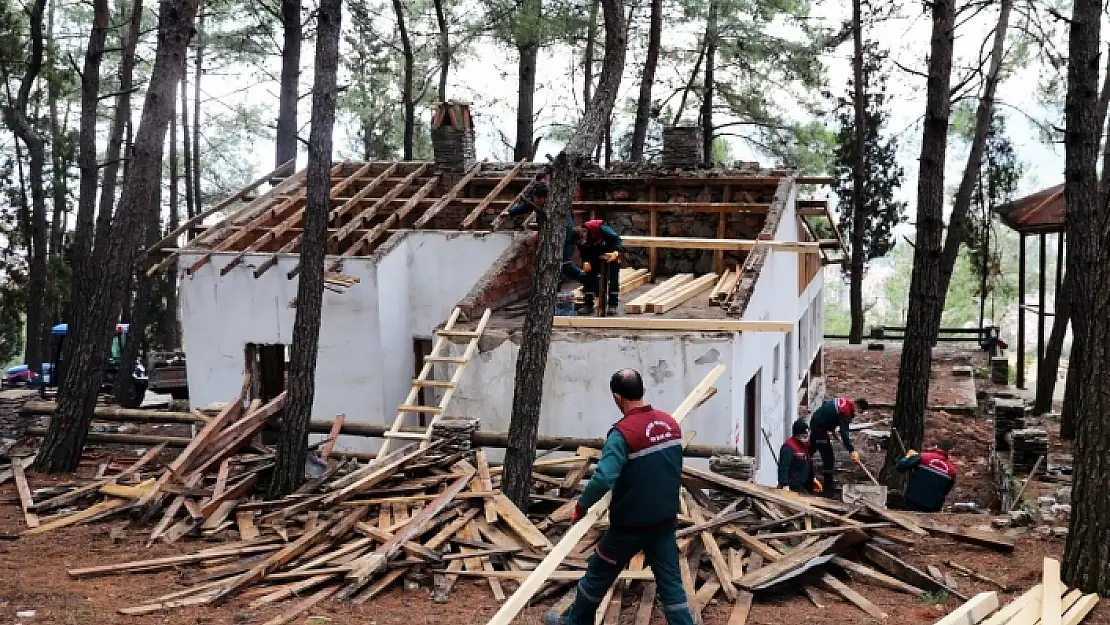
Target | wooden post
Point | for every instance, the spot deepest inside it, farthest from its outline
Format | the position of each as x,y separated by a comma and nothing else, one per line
719,255
1059,260
1041,302
653,230
1021,314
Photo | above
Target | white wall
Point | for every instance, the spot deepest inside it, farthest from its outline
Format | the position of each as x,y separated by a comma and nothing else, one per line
577,401
365,361
221,314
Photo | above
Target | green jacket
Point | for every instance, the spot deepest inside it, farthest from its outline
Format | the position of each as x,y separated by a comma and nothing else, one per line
641,463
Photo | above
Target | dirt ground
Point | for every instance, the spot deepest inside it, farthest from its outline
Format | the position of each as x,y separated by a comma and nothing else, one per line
33,569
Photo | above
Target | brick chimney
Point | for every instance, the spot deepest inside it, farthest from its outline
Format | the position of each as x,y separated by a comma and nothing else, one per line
682,147
453,136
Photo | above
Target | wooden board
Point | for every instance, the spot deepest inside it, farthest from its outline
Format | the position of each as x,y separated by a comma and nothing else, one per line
1080,610
991,540
1030,598
639,303
673,325
973,610
546,569
686,293
25,500
852,596
1051,609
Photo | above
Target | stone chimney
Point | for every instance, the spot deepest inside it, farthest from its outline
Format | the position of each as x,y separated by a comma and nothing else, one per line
453,136
682,147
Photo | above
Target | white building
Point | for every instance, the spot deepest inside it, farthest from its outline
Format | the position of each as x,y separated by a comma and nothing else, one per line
415,235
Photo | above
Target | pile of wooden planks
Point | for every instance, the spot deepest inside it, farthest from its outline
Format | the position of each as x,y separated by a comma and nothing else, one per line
630,279
671,293
760,540
1049,603
725,286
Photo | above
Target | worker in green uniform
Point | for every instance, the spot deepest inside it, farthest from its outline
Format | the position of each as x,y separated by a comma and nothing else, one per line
641,463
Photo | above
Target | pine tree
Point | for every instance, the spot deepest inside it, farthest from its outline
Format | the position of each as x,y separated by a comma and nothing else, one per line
881,179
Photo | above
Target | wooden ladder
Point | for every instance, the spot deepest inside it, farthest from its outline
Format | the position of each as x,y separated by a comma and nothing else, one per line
437,356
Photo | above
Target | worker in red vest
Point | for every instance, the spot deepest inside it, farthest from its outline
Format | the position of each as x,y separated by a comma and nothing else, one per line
932,475
599,246
796,463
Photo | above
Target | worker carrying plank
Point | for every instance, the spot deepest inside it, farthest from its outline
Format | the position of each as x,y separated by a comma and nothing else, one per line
599,246
796,463
837,413
932,475
641,463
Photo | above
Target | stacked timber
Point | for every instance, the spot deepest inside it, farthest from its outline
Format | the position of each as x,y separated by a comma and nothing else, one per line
736,466
671,294
630,280
725,286
1027,445
1048,602
1009,415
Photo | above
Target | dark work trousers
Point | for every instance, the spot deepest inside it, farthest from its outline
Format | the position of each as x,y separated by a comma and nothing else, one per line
590,279
611,556
820,443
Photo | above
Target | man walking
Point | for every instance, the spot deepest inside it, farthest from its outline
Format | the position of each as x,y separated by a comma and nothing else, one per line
932,475
837,413
641,463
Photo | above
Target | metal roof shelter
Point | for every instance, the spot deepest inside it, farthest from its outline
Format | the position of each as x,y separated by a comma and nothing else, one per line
1038,214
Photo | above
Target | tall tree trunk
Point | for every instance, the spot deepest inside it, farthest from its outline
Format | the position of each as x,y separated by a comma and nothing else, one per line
1087,555
187,152
290,80
689,86
1046,386
444,50
90,174
112,263
16,119
172,324
859,173
588,55
913,373
198,68
957,221
528,47
647,80
535,343
707,89
121,120
291,450
61,153
407,88
123,387
1050,365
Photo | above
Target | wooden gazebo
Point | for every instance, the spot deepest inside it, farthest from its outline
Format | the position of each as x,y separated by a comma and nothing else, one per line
1039,214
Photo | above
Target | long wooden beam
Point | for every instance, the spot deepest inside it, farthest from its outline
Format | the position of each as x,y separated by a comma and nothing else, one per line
530,586
673,325
274,233
273,212
189,223
368,239
492,195
693,243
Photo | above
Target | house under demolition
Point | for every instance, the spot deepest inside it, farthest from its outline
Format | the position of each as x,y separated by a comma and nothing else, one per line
410,247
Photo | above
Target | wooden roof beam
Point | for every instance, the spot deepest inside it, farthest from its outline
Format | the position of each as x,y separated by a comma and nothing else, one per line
504,182
266,215
691,243
434,209
369,238
274,233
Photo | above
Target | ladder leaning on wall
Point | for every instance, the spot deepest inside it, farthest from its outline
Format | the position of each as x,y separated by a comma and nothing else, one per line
437,356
